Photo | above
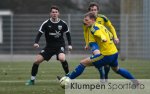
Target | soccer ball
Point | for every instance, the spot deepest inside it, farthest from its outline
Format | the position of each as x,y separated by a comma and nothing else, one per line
64,81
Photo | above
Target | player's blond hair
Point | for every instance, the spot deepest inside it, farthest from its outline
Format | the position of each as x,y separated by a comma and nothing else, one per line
91,15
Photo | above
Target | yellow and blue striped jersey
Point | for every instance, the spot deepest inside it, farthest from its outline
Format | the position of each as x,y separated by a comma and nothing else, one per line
87,35
101,19
100,34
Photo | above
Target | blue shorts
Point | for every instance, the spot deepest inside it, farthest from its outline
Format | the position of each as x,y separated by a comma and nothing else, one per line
93,46
100,60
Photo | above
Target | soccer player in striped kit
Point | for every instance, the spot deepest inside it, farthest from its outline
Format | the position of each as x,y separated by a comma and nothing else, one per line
109,52
90,42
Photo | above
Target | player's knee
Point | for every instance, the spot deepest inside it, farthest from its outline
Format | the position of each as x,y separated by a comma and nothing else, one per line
39,59
82,61
95,52
107,66
61,58
85,62
115,69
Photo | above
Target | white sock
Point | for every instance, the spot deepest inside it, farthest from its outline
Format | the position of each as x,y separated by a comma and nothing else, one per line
32,77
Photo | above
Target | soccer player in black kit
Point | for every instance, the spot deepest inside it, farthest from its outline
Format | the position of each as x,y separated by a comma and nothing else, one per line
53,29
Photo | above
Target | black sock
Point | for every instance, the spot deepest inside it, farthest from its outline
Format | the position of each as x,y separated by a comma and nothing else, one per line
65,66
34,69
107,69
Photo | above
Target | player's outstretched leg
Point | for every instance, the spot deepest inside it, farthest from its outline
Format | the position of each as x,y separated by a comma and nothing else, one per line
65,66
78,70
125,73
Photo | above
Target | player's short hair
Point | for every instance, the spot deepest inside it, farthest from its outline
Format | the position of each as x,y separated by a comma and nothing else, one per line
91,15
54,7
93,4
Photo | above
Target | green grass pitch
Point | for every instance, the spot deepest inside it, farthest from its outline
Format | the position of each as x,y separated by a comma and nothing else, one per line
13,75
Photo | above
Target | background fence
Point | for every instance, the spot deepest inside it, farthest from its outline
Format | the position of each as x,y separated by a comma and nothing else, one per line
133,32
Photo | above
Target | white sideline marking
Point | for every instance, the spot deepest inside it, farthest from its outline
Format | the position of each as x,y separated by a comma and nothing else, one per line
22,81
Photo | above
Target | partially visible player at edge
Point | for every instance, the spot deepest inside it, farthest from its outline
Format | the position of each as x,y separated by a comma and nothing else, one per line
101,19
109,52
53,29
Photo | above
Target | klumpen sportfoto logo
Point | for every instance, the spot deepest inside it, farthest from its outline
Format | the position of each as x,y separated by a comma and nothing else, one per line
110,86
94,86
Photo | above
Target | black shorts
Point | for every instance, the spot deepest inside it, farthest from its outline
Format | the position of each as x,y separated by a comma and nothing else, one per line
47,53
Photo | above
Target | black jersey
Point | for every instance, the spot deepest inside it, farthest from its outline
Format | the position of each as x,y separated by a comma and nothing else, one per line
54,32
